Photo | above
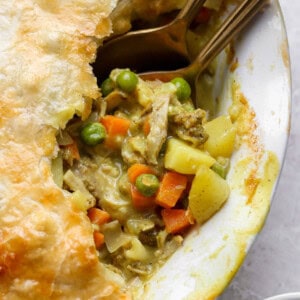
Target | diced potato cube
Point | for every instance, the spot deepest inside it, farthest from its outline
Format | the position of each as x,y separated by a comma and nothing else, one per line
185,159
208,193
221,139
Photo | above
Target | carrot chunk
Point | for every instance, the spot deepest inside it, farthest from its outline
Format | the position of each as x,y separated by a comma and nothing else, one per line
139,201
72,150
138,169
176,220
171,188
116,128
98,216
146,126
115,125
98,239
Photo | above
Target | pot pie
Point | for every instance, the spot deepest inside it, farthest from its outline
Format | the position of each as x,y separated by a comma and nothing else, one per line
98,185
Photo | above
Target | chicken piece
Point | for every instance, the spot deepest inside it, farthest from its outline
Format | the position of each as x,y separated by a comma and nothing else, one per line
134,150
105,171
159,121
188,126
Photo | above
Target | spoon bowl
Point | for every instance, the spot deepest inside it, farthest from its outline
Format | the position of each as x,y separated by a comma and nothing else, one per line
229,29
164,48
161,48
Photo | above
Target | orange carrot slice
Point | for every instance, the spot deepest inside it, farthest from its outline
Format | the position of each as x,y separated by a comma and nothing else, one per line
171,188
138,169
176,220
98,239
146,126
72,150
115,125
98,216
141,202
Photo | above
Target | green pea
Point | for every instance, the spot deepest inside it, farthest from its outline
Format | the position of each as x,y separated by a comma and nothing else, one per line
93,134
127,81
183,91
147,184
221,166
107,87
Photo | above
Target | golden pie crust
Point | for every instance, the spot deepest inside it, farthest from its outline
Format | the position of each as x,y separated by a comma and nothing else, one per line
46,245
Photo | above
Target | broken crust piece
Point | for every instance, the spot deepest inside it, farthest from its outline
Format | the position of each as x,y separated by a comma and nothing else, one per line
46,246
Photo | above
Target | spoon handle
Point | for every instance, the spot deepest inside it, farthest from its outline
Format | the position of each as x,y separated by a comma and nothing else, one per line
240,17
190,10
232,25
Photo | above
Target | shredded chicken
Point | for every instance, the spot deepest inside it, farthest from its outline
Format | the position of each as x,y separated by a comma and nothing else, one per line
159,121
101,182
188,126
134,150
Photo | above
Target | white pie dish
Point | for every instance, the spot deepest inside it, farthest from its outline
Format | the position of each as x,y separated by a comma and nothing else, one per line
211,254
289,296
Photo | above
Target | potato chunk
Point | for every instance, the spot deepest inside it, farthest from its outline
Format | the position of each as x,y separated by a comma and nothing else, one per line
221,138
185,159
208,193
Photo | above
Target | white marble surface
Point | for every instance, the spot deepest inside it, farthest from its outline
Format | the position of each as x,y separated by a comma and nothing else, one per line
273,263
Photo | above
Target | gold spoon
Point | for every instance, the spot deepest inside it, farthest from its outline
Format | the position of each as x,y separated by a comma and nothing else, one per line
238,19
161,48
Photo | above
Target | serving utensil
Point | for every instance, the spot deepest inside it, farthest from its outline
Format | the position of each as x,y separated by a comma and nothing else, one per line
135,50
229,29
161,48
